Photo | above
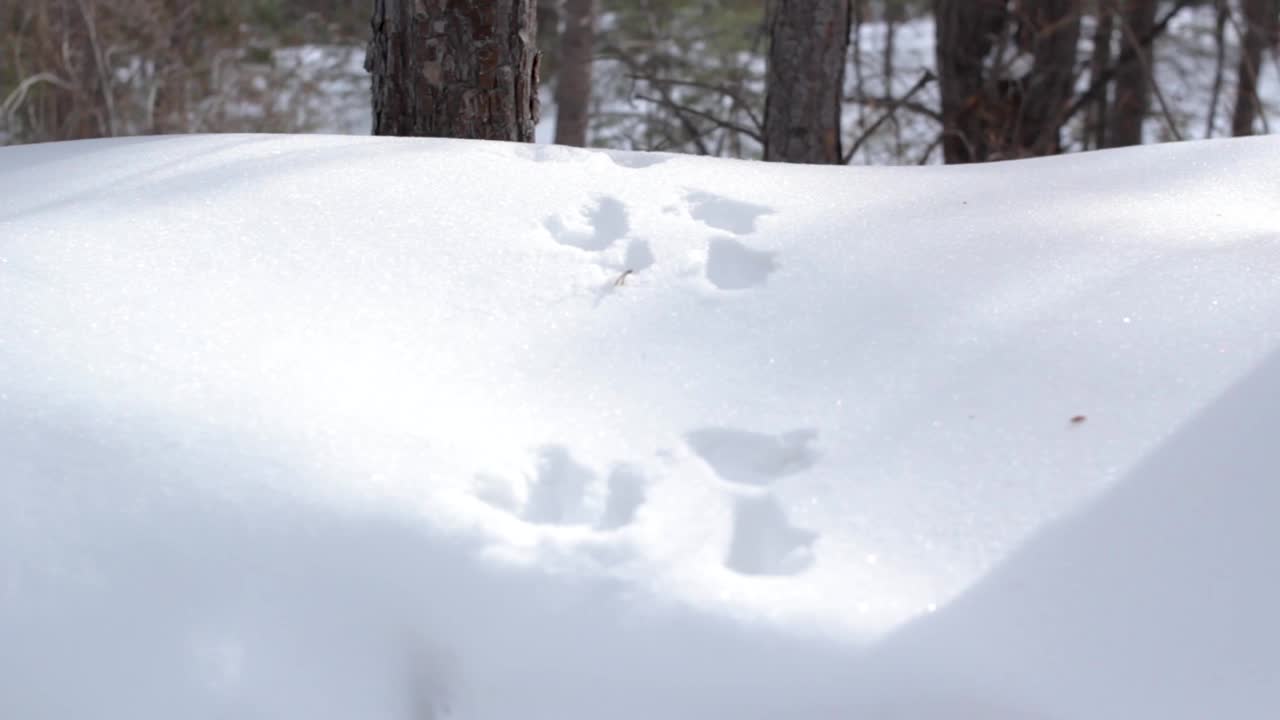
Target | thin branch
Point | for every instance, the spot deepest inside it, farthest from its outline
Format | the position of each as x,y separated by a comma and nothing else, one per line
694,133
1127,56
100,61
718,122
903,103
929,150
924,80
1132,39
727,92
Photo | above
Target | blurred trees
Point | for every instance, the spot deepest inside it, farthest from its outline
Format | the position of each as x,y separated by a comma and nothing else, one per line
74,69
924,80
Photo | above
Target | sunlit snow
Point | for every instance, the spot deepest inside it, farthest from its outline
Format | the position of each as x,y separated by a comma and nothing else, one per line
337,427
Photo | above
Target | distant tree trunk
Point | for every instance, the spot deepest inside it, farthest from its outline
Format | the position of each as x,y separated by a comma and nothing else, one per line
1219,63
1257,29
1132,80
1055,32
966,32
549,37
454,68
573,87
894,14
1099,62
809,43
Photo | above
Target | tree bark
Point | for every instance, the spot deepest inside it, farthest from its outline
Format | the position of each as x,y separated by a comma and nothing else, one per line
1257,29
573,87
454,68
1132,81
808,49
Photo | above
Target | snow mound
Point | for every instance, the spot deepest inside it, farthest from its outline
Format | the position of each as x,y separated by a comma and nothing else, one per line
336,427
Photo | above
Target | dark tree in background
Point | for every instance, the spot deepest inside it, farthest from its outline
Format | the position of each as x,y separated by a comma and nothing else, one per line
993,107
454,68
1259,28
1099,64
967,31
809,41
1133,77
1050,32
573,85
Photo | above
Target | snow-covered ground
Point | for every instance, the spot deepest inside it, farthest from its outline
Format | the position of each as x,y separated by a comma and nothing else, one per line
337,427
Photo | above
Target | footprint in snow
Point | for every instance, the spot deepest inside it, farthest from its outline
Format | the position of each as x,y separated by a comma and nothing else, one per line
725,214
764,542
734,266
595,227
562,492
756,459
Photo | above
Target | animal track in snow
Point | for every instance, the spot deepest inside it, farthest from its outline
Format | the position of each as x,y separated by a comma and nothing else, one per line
639,256
562,492
640,160
734,266
626,493
597,226
558,492
764,542
722,213
756,459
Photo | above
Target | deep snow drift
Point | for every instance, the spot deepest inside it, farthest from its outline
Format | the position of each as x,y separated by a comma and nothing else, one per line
336,427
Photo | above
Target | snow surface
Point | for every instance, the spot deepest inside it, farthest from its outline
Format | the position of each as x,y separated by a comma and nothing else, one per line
337,427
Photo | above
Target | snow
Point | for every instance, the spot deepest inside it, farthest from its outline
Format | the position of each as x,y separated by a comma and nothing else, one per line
337,427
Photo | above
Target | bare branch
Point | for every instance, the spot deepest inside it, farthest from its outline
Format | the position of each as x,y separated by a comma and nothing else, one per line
924,80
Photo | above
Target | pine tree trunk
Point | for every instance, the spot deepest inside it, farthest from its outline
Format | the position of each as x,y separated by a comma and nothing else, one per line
573,87
454,68
809,43
1257,24
1132,84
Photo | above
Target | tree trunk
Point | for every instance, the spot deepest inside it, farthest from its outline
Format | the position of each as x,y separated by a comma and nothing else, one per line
1257,26
809,43
454,68
966,31
1099,62
549,37
573,87
1055,28
1132,80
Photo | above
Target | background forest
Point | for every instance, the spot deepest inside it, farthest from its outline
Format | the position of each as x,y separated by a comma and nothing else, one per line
675,75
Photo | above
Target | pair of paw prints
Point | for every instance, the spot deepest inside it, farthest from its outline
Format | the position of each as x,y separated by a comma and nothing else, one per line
729,263
562,492
763,541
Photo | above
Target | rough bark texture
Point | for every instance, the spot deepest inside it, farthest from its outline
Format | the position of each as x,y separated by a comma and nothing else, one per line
966,33
809,42
573,87
454,68
1257,28
1132,82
